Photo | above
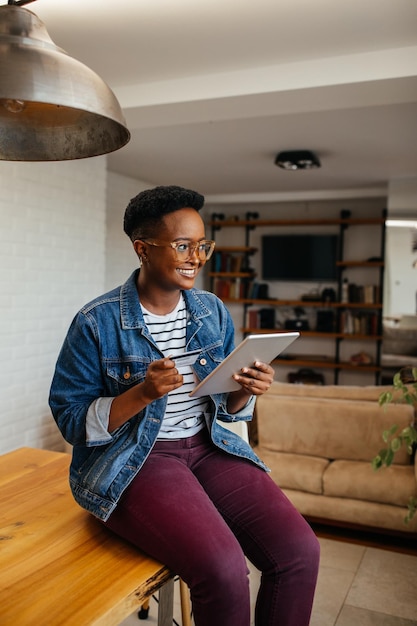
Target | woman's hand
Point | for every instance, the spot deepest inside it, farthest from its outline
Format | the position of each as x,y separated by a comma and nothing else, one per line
257,379
162,376
254,381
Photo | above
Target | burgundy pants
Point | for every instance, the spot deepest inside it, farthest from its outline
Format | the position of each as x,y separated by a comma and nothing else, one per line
201,511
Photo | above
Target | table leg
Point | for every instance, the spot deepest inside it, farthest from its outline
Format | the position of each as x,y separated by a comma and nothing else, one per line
166,604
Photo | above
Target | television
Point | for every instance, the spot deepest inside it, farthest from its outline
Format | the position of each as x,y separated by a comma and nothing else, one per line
300,257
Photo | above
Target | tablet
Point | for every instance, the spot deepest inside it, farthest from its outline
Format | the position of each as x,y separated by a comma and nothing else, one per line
263,348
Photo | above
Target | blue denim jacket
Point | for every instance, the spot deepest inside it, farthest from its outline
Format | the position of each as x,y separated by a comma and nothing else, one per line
107,350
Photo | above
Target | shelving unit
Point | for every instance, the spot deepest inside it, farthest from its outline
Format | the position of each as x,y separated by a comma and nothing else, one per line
364,318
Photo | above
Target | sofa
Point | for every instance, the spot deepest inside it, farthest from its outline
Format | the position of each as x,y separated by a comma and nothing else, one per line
318,442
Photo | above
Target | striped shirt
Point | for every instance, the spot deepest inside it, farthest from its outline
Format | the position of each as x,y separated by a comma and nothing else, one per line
184,416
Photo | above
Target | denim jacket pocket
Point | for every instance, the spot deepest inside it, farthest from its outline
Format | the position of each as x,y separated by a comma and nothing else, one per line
123,374
216,353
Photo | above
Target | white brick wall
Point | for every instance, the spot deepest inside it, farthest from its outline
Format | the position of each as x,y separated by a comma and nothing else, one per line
52,244
121,259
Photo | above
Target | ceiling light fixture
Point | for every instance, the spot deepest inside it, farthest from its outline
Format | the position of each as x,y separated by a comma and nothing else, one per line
297,160
52,107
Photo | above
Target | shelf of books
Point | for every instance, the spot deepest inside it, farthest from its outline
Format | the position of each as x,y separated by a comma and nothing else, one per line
348,307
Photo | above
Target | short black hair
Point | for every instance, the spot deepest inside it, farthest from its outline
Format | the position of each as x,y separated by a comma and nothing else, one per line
146,210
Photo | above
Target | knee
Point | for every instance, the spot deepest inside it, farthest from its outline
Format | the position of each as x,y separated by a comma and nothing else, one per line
220,591
312,548
307,550
225,573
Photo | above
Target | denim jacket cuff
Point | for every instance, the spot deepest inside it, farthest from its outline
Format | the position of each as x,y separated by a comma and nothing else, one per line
97,421
245,413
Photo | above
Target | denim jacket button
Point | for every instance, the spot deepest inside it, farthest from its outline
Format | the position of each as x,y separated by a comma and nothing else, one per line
225,442
203,361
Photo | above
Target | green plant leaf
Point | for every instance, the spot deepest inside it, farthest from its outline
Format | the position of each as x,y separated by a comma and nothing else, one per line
397,379
376,463
385,398
389,457
388,433
409,433
396,444
412,509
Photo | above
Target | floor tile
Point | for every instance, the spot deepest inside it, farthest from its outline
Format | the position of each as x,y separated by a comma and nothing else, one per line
386,582
339,554
352,616
332,588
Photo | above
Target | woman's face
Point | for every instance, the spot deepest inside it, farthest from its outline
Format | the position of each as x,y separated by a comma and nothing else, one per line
160,264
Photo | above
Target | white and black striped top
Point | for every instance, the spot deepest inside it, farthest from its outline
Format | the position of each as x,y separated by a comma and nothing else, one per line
184,416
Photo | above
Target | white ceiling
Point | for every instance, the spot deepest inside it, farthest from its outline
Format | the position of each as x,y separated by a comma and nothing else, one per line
213,90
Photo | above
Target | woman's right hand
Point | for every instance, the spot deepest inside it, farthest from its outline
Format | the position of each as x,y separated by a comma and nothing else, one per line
162,376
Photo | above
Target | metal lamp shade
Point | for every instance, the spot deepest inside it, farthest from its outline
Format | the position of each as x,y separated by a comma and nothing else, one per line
52,107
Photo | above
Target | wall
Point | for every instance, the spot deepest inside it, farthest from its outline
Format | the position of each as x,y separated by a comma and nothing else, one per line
52,242
121,259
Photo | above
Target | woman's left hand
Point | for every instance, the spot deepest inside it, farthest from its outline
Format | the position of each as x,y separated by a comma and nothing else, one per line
256,379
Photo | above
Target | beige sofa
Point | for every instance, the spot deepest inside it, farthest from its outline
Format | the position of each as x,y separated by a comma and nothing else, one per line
319,441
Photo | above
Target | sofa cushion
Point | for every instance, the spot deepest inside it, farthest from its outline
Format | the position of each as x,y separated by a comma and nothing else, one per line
327,427
342,392
345,510
295,471
357,480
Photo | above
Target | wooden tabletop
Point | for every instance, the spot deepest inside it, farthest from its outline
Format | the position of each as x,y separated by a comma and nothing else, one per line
58,564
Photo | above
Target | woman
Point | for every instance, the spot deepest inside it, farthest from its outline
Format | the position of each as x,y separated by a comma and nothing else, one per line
154,464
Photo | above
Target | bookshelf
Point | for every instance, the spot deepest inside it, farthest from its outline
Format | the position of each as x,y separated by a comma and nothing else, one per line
354,314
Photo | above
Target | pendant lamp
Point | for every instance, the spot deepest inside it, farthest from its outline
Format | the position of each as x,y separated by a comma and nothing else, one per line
52,107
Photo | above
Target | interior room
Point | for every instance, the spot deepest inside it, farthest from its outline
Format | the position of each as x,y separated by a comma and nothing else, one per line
220,97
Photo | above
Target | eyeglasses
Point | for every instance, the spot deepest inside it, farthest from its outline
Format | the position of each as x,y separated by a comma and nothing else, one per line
184,250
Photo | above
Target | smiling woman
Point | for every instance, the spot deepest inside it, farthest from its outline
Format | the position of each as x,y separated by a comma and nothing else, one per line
153,462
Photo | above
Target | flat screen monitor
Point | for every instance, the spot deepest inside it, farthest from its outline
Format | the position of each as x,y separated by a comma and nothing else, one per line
299,257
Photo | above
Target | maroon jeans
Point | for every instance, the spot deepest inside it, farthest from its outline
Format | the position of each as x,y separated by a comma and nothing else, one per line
201,511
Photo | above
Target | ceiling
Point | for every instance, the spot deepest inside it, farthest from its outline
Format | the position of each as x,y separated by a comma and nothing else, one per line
211,91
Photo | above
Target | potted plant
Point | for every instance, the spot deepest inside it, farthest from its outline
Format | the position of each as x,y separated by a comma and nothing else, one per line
404,390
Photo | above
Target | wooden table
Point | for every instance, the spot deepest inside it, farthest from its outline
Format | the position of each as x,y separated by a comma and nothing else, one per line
58,564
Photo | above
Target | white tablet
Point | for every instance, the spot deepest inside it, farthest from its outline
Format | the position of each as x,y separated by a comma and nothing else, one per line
263,348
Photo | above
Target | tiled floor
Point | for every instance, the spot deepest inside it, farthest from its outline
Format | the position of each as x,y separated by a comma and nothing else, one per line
358,586
363,586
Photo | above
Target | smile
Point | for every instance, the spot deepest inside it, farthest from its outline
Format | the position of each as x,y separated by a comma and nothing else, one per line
190,273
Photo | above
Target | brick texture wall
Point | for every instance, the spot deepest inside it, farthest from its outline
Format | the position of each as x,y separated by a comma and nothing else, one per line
52,244
121,259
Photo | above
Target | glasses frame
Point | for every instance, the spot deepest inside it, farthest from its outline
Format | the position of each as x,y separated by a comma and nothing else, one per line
193,247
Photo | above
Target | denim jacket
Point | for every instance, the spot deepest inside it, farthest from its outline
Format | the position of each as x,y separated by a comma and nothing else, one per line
107,350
